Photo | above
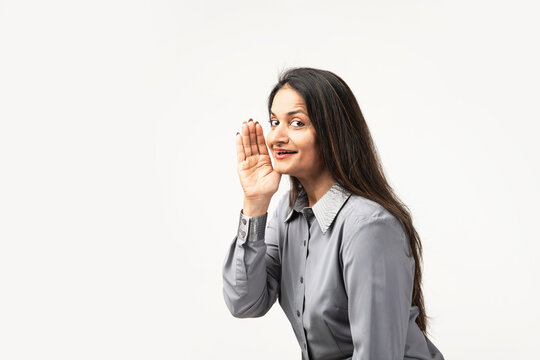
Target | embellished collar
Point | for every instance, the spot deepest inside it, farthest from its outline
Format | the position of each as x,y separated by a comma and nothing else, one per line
326,209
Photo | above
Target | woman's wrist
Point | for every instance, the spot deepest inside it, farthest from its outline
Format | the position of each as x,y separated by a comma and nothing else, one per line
255,207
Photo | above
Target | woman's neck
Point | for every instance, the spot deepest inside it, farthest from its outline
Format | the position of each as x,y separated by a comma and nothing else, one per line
317,187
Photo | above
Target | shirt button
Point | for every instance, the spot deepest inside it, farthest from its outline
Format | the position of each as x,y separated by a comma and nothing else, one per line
301,279
243,233
298,313
305,346
244,221
304,242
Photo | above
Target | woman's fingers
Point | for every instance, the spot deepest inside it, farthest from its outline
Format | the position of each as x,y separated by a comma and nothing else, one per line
253,138
240,153
263,150
245,139
250,141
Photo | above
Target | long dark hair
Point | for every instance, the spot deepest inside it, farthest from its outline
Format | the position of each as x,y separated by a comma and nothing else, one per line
349,153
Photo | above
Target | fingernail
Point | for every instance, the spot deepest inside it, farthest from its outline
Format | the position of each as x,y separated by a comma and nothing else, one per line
237,133
251,120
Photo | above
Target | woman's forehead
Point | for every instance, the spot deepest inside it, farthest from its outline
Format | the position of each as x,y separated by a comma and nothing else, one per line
287,106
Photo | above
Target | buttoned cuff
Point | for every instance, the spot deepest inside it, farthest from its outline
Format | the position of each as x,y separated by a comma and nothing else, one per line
251,228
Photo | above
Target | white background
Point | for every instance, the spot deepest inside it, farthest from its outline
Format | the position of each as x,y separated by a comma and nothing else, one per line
118,188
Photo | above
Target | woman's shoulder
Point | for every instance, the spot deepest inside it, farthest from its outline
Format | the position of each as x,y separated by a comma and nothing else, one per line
283,200
359,211
281,208
359,208
367,222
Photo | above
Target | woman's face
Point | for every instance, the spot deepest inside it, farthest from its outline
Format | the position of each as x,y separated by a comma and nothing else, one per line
292,130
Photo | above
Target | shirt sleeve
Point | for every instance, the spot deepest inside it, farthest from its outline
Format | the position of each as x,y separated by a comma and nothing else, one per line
252,267
378,277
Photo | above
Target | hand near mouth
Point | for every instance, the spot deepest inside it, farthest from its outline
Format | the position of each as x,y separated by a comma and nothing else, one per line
258,178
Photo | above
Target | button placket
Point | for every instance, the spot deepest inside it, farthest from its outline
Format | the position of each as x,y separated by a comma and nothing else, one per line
301,298
301,283
301,290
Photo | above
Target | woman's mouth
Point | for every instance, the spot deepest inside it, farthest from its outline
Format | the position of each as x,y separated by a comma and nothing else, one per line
284,154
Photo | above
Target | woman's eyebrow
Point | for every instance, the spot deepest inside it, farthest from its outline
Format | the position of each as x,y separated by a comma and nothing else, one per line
291,112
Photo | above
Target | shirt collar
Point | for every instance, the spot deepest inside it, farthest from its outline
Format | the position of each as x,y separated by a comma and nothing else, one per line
326,209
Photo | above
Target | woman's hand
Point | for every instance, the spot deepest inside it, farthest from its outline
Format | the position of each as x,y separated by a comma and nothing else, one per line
258,178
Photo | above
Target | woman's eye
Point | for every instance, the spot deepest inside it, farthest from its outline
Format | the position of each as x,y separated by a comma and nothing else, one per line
274,122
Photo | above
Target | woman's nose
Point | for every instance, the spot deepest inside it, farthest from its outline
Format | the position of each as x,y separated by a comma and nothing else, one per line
280,134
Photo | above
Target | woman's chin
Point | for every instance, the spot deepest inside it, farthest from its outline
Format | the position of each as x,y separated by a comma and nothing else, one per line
281,170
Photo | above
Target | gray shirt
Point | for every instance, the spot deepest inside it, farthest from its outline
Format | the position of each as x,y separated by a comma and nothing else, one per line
340,271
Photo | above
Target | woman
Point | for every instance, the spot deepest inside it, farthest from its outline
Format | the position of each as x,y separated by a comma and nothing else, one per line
341,254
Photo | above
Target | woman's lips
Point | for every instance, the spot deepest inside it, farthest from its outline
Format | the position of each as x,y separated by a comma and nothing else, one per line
280,155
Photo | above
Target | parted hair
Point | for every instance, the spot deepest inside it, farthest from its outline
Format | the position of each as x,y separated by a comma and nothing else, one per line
349,153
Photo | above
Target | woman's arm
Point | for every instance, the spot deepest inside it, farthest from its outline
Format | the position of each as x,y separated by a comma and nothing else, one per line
252,268
378,278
